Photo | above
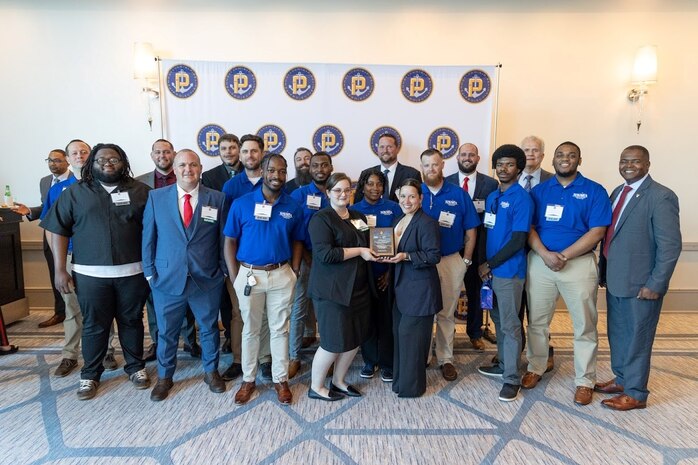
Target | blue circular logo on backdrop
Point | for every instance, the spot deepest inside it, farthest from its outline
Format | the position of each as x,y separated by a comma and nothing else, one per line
182,81
274,138
475,86
240,82
445,140
328,139
208,137
379,132
417,85
299,83
358,84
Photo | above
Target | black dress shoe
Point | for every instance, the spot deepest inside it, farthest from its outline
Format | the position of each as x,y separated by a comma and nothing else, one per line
227,347
351,391
215,382
161,389
331,398
150,354
11,350
194,350
233,371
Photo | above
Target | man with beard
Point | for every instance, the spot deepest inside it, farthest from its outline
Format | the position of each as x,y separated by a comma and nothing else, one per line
264,232
301,160
394,171
162,153
478,186
570,218
313,197
103,214
458,222
229,151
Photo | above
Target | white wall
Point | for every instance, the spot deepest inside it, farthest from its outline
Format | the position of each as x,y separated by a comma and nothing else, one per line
66,72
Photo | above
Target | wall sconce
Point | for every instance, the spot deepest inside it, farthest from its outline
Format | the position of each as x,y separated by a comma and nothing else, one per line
644,75
146,69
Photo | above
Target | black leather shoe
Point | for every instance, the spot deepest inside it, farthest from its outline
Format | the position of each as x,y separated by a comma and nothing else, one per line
351,391
215,382
233,371
150,354
161,389
11,350
194,350
331,398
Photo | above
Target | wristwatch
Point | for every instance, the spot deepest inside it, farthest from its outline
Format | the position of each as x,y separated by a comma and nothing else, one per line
467,261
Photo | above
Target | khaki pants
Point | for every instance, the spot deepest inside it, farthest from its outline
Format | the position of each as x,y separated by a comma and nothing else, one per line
451,272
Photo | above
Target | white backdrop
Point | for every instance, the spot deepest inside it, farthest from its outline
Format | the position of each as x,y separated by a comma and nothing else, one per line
436,106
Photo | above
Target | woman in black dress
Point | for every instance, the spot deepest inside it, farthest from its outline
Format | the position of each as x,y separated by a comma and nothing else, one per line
339,287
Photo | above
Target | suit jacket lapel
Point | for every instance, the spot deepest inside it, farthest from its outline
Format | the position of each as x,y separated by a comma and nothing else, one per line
196,219
634,200
174,198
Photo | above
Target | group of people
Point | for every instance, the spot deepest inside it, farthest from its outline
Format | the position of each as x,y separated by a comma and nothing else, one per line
274,259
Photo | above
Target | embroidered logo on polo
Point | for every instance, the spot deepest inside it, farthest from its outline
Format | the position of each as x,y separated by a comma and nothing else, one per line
475,86
358,84
328,139
579,195
504,204
299,83
445,140
286,215
182,81
451,203
274,138
416,85
379,132
208,138
240,82
386,212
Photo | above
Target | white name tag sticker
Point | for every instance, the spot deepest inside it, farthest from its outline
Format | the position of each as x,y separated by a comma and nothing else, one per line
490,220
479,205
553,212
313,202
120,198
360,225
262,211
446,219
371,221
209,214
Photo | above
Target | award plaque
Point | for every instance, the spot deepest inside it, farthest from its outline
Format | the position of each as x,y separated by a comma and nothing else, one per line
383,242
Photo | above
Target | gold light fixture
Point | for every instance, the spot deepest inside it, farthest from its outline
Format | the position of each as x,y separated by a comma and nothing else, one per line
644,75
146,69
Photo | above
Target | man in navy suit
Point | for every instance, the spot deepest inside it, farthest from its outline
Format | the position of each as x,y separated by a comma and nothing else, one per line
183,262
478,186
639,255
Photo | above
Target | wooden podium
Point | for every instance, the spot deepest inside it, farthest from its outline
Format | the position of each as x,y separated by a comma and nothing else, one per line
13,302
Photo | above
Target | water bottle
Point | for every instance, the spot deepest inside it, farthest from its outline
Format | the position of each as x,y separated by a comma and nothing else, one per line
9,201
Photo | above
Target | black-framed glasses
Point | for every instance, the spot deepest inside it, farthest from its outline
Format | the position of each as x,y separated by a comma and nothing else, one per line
55,160
104,161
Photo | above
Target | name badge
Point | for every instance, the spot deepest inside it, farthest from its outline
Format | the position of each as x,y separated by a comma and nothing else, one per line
371,221
313,202
490,219
446,219
360,224
209,214
120,198
262,211
553,212
479,205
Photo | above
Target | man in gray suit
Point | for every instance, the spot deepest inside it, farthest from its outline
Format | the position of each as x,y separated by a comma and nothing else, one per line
533,174
58,165
639,253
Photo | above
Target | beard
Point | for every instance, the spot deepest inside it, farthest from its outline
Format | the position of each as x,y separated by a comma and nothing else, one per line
303,177
108,178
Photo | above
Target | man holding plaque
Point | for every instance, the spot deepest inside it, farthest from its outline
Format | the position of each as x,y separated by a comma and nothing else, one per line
458,222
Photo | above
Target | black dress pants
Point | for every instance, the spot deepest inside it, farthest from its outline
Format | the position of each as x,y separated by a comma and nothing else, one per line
412,343
378,349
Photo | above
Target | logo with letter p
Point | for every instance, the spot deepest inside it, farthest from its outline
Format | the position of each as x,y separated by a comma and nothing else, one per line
475,86
328,139
208,137
240,82
417,85
445,140
299,83
358,84
182,81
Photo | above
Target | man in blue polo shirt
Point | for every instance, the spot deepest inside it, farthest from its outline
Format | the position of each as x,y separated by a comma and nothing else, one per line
312,197
458,220
507,220
264,232
570,218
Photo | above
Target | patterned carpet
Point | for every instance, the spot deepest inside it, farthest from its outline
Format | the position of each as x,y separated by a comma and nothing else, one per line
455,423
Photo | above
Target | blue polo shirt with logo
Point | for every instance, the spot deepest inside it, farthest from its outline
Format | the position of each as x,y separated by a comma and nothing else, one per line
51,198
238,186
300,195
385,212
452,199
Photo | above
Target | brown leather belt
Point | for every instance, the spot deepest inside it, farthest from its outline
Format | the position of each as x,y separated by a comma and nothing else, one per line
273,266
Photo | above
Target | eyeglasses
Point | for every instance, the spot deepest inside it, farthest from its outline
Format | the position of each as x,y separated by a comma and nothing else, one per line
338,191
55,160
111,161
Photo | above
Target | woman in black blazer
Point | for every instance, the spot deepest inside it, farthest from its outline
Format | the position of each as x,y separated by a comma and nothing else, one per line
417,291
339,287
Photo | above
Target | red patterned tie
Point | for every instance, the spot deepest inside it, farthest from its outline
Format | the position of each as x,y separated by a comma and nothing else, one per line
188,212
465,184
614,220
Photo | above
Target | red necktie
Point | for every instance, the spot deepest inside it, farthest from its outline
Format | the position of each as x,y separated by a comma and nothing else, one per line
188,212
465,184
614,220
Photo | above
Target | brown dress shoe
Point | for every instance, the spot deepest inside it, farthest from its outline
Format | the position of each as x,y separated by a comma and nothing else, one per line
582,395
161,389
530,380
214,381
623,402
478,344
54,320
448,371
294,367
609,387
245,392
283,393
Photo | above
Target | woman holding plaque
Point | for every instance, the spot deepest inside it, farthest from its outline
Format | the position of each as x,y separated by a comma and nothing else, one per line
340,286
417,290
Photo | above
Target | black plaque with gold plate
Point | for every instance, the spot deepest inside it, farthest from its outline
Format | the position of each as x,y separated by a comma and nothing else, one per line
383,242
